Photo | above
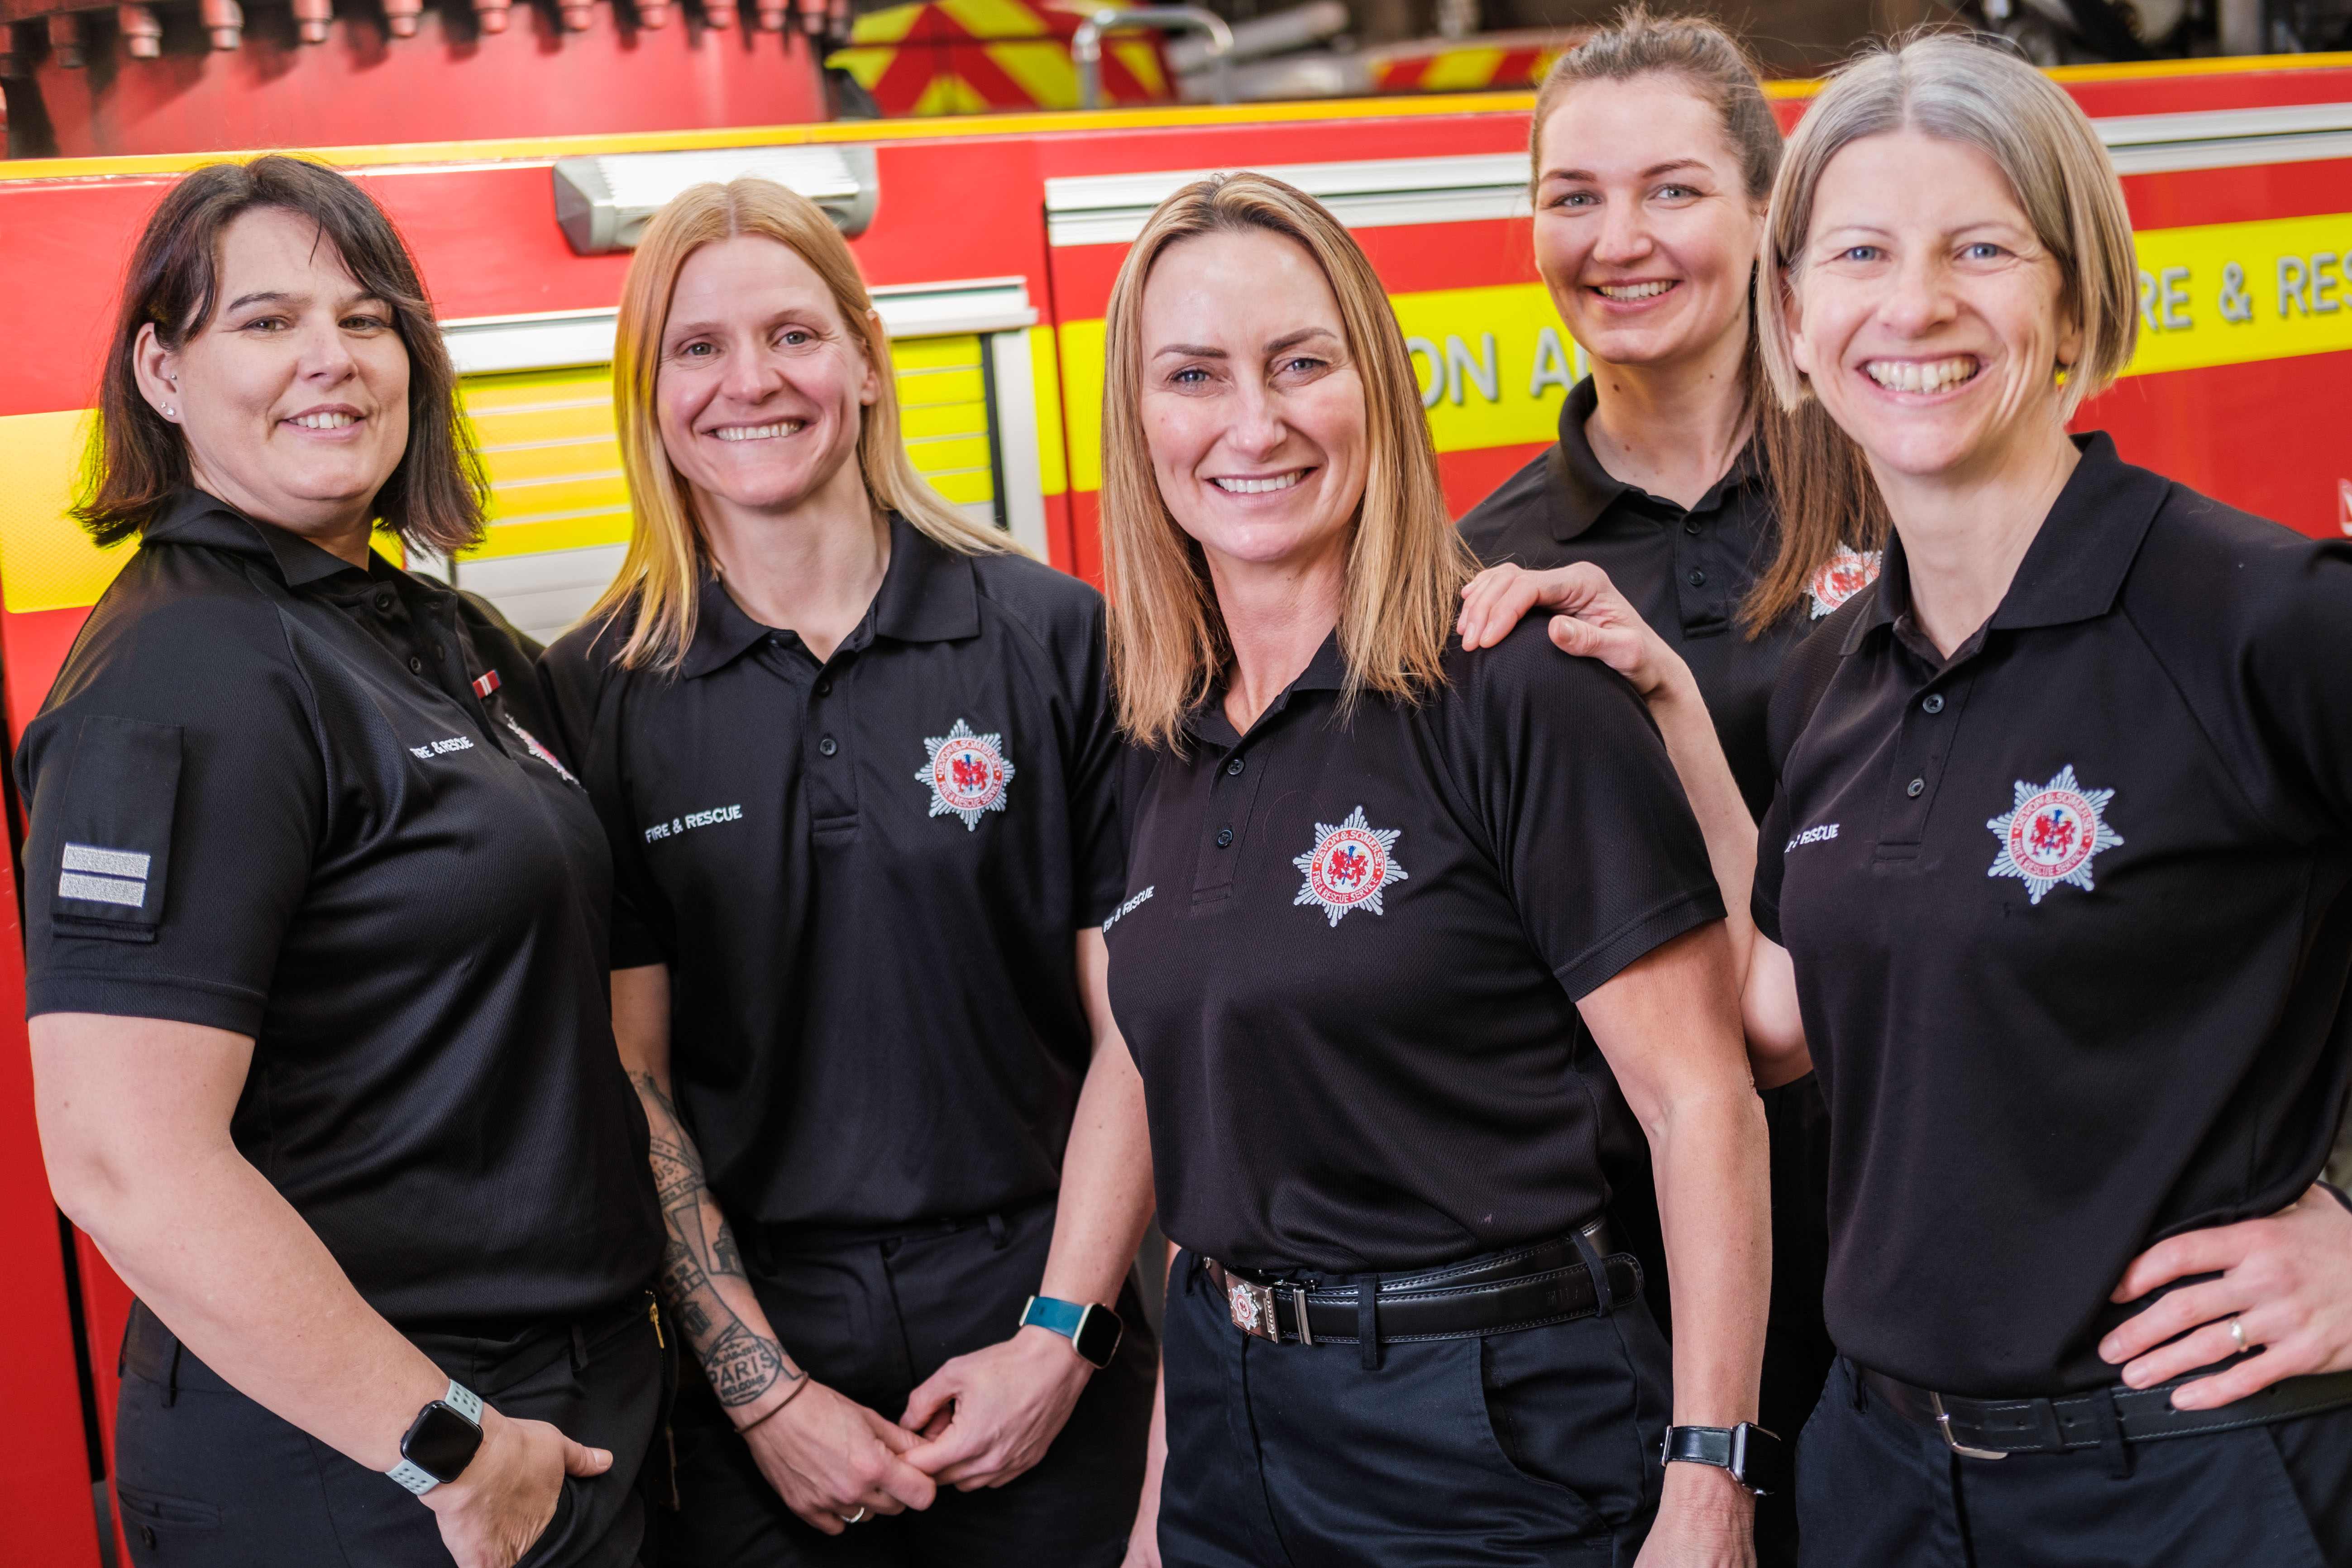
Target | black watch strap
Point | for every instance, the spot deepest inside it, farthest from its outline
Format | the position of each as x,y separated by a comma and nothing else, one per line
1756,1459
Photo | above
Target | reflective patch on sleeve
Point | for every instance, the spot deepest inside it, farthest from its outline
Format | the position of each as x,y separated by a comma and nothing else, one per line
103,890
114,818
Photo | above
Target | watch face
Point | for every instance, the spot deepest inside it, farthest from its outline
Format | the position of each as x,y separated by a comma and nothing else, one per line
1098,1335
440,1442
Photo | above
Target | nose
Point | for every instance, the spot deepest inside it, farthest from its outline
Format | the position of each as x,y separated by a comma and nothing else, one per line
1258,426
1920,299
1624,235
326,357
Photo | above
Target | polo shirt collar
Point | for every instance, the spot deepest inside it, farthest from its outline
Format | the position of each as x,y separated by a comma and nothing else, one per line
1326,671
929,594
196,518
1581,491
2077,562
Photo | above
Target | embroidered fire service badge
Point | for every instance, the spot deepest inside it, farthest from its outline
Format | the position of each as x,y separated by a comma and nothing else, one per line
1348,866
1841,576
2052,832
967,773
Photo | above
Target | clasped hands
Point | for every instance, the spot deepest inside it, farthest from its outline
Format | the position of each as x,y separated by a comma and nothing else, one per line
981,1420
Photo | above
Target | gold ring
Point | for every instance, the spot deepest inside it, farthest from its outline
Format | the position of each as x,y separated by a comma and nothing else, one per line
2238,1334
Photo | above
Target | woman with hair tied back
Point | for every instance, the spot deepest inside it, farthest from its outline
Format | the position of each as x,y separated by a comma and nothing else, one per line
314,935
1372,883
1731,524
2053,888
855,754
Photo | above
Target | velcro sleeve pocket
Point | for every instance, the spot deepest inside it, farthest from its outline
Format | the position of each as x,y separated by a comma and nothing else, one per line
114,839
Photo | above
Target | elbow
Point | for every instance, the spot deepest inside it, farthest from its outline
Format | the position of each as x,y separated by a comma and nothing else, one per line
1777,1059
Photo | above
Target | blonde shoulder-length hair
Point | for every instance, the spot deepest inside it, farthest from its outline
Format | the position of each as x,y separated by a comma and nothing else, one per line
1953,88
668,557
1406,564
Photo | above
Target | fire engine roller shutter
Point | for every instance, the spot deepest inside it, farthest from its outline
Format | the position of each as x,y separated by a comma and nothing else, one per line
538,392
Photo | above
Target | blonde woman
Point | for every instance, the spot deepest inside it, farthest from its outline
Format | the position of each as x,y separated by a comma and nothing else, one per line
1372,882
854,753
2054,889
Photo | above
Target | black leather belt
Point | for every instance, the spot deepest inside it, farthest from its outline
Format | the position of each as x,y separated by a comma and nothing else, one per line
1525,1287
1996,1428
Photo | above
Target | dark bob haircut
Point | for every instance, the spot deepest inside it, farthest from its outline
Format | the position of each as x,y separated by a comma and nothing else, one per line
137,460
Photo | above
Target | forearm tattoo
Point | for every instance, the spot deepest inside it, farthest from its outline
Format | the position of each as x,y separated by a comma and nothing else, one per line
742,1364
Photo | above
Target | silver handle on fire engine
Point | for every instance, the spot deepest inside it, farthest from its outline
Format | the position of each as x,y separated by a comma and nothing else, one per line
1086,46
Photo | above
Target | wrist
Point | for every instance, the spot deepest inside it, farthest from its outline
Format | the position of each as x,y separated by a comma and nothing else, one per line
790,1386
1673,685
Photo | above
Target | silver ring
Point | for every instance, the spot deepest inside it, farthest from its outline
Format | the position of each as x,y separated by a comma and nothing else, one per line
2238,1335
854,1517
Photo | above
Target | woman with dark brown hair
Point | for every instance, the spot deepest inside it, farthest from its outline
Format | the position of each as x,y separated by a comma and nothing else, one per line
314,944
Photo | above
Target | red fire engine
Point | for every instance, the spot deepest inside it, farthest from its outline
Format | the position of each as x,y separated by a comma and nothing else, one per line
992,242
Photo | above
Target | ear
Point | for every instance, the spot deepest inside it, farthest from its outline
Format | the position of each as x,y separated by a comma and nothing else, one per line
872,388
2070,343
157,369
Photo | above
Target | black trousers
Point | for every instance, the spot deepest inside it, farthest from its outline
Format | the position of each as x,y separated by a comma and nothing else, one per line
1875,1491
1534,1448
871,1318
207,1479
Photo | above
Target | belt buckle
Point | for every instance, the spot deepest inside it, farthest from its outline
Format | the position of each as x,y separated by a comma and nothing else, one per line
1252,1309
1944,1425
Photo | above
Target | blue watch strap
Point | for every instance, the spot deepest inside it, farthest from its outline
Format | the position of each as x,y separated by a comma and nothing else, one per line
1062,1317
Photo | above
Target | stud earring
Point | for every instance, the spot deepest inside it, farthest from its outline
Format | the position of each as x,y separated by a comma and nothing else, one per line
171,413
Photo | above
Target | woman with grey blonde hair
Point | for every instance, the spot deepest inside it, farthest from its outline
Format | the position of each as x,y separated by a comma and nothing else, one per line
854,753
1372,882
2053,891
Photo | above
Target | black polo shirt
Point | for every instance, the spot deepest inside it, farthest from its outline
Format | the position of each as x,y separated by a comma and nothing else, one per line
868,877
1685,569
1349,955
266,797
2069,920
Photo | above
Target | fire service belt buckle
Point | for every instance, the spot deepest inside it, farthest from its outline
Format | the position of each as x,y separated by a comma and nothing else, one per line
1251,1308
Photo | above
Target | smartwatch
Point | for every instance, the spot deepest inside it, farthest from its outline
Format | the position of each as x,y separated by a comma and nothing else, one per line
1756,1459
1093,1331
441,1442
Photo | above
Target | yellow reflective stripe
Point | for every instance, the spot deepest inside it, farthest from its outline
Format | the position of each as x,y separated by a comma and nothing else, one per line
1082,394
1459,70
1499,378
47,561
886,26
1045,376
2231,293
994,18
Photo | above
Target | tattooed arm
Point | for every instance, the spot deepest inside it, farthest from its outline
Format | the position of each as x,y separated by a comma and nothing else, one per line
827,1456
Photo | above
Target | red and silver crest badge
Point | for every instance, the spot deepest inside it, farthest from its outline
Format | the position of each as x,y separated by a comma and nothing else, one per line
967,773
1841,576
1348,866
2052,832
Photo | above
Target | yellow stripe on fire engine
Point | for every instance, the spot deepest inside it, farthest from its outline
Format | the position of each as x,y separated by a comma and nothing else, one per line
2231,293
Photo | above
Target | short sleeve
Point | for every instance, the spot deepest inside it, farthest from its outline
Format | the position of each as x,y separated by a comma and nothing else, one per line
175,793
2293,679
584,690
1581,804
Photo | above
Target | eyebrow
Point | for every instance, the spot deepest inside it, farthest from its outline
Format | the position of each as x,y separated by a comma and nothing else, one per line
1190,351
1652,173
281,296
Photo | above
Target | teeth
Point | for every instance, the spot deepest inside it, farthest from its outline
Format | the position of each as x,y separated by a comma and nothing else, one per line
1912,375
757,432
1260,487
324,421
1632,290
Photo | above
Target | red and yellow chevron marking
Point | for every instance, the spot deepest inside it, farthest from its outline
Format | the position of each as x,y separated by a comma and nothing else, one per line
972,56
1491,60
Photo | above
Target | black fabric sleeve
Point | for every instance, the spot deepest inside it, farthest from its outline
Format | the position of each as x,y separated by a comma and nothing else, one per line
2293,679
1097,843
1588,820
584,692
1804,680
175,793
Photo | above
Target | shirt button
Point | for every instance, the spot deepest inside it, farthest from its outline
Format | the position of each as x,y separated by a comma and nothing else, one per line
824,689
384,600
826,748
415,665
1697,579
1690,526
1934,704
1234,767
1914,787
1225,836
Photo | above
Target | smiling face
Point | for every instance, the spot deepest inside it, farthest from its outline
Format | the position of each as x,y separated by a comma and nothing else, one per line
294,397
762,386
1252,405
1927,314
1644,232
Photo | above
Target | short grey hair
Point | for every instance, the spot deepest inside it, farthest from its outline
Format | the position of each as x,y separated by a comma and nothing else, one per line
1949,87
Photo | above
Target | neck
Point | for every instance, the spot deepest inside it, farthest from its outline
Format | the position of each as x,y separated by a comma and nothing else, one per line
341,532
1275,616
1674,429
1964,533
810,568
